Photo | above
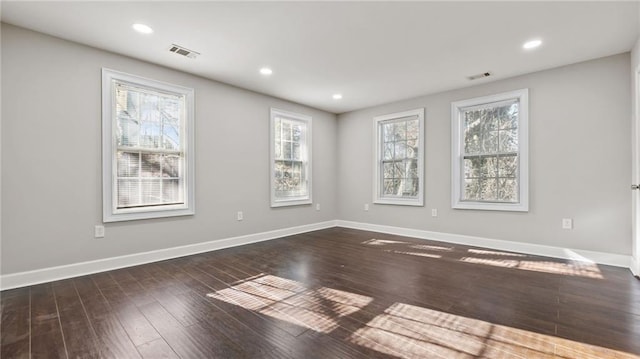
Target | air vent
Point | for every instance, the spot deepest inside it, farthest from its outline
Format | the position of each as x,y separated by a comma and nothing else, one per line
479,76
183,51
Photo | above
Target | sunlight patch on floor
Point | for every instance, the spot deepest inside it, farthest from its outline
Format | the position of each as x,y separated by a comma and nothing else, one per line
409,331
580,269
291,301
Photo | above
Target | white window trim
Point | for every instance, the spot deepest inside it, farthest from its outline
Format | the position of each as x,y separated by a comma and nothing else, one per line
523,152
293,201
377,175
110,211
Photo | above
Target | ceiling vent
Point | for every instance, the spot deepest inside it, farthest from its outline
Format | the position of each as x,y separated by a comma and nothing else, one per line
479,76
183,51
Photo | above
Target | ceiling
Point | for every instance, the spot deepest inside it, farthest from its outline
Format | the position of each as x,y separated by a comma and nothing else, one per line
370,52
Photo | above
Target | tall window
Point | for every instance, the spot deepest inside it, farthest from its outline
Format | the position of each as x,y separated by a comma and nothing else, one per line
490,152
399,158
290,158
147,148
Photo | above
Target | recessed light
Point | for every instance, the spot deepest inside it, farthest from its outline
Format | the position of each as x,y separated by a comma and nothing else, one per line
142,28
531,44
266,71
337,96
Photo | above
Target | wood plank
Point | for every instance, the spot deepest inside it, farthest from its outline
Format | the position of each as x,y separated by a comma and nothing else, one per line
112,339
47,340
15,325
79,336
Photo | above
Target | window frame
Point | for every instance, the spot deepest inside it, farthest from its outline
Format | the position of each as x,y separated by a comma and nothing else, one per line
378,198
457,152
111,212
306,158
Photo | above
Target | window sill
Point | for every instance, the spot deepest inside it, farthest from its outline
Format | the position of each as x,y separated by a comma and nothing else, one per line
506,207
400,202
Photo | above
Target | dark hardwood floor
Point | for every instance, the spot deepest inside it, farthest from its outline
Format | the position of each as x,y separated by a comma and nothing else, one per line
335,293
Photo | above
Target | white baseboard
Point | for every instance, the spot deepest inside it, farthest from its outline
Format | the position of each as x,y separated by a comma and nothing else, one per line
22,279
635,266
612,259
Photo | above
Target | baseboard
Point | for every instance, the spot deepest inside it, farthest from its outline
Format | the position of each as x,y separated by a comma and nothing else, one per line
22,279
612,259
635,266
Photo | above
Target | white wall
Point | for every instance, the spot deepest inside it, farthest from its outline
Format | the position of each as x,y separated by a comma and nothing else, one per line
579,161
51,164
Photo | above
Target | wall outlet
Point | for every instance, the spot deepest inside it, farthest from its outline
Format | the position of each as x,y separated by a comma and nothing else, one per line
434,212
98,231
240,216
317,206
567,223
366,206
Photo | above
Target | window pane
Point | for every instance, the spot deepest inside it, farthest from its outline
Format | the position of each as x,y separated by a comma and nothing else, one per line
171,191
399,170
128,164
509,117
286,131
286,150
489,142
395,187
151,193
171,166
388,170
412,148
151,165
410,187
400,130
296,151
413,169
296,132
388,151
388,188
400,150
509,141
508,166
289,179
413,129
471,189
508,190
488,189
128,131
128,193
387,132
472,140
171,137
278,150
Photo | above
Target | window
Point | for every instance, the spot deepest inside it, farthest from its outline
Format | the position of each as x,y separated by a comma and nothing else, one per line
399,158
147,139
290,158
490,152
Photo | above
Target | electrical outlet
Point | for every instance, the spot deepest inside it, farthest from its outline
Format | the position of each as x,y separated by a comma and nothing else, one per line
317,206
366,206
434,212
240,216
98,231
567,223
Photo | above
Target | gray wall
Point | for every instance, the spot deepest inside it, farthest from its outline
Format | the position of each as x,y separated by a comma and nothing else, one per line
51,164
579,161
51,171
635,152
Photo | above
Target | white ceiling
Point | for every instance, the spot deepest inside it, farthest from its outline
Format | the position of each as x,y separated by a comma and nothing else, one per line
371,52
